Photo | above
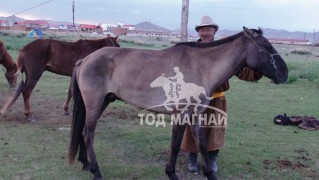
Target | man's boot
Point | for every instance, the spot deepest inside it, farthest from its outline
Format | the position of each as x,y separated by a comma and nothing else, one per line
192,163
212,156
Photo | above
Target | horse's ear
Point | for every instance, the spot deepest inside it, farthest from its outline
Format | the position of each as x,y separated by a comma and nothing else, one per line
116,37
250,32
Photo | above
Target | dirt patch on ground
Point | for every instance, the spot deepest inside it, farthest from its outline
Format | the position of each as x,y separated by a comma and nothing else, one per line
283,163
47,111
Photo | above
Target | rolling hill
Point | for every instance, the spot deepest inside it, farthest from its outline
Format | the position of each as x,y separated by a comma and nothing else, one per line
269,33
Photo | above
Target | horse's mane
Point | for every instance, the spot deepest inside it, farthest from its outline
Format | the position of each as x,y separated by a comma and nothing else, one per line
93,40
217,42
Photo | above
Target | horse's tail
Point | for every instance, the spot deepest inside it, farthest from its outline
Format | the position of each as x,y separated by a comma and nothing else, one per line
78,120
19,63
18,67
13,98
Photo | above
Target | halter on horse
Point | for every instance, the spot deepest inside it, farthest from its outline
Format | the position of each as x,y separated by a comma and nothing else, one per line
125,74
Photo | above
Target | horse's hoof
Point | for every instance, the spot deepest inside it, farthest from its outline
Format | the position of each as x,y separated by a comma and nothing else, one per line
30,118
172,177
212,176
100,178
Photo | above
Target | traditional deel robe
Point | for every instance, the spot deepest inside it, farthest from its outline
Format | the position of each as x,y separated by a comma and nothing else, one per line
215,135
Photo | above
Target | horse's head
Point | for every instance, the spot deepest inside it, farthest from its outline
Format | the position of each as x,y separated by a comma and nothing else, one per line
112,41
263,57
11,67
11,75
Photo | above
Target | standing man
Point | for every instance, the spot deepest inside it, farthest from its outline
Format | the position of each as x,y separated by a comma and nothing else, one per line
215,136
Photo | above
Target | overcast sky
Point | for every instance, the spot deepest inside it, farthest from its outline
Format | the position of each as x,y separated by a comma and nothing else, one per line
291,15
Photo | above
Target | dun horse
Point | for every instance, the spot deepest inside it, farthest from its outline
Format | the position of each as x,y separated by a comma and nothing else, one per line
124,74
55,56
9,65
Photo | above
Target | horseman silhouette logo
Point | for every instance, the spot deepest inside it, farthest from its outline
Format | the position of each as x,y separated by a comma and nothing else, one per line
176,89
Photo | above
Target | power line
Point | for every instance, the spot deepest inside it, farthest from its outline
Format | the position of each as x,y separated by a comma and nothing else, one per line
32,7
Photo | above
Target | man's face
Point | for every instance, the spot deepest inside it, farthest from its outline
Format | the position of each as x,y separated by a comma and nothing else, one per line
206,34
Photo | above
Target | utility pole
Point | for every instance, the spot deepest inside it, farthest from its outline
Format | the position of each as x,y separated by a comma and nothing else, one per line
184,20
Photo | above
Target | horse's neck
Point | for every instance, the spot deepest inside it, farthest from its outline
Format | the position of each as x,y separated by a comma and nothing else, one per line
89,45
7,61
228,58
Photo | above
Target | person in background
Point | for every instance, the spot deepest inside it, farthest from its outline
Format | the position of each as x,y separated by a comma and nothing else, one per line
215,136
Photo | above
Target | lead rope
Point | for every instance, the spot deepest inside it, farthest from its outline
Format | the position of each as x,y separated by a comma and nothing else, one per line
73,9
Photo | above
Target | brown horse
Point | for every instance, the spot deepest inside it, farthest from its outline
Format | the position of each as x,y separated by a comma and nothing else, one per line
55,56
129,75
9,65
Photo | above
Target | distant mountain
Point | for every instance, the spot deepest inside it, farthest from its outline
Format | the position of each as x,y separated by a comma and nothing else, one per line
189,31
60,22
272,33
268,33
219,34
147,25
12,18
17,19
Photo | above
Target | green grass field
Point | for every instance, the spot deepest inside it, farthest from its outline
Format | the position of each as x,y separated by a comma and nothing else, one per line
255,148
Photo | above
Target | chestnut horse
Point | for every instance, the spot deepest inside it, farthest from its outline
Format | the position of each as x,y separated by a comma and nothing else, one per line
125,74
9,65
54,56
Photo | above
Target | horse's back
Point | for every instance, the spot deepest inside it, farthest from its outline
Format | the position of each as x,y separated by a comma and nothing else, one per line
126,72
32,53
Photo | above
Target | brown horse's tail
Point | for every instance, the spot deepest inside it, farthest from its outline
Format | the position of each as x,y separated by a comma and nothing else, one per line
78,120
19,64
12,98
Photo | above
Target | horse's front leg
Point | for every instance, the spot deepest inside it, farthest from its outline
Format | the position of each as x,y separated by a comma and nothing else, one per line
177,137
67,101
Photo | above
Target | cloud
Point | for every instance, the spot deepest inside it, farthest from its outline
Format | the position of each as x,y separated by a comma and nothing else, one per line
282,4
2,13
103,9
161,2
31,16
137,11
